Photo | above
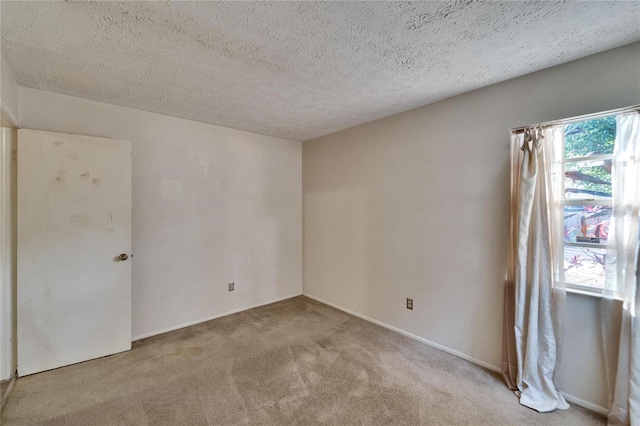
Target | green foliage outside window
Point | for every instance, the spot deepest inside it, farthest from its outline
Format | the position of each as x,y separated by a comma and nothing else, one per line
589,137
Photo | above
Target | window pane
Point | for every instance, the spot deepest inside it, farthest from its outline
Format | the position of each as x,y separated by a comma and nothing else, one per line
586,224
591,137
587,179
584,266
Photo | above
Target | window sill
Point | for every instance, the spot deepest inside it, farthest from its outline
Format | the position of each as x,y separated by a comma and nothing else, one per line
596,294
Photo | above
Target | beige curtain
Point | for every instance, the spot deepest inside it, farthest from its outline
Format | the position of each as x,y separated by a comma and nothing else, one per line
621,299
534,296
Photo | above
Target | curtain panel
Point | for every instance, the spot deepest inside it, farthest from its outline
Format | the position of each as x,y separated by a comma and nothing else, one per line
534,294
620,297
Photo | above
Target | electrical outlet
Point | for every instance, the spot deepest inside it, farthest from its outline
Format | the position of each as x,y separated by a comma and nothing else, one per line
231,286
409,303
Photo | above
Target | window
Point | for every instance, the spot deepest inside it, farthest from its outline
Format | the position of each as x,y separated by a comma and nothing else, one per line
587,200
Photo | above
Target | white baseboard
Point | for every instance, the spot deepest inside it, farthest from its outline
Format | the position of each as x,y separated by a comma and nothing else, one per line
568,397
410,335
586,404
198,321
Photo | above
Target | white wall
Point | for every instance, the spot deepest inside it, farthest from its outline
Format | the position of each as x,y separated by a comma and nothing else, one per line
417,205
210,205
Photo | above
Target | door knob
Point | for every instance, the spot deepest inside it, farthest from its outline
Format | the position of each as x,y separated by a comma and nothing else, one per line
123,257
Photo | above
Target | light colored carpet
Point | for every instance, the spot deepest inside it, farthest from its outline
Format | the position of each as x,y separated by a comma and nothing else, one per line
292,362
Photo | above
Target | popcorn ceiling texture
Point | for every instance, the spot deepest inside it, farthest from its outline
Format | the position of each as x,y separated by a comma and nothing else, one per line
296,70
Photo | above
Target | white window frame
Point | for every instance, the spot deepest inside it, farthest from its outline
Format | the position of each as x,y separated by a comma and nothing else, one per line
575,287
571,287
578,288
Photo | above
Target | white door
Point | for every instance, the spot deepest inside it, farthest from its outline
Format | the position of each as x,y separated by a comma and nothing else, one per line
74,244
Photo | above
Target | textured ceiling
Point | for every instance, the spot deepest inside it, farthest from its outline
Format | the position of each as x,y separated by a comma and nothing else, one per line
297,70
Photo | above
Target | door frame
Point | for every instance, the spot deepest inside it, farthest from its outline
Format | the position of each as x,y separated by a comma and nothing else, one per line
8,250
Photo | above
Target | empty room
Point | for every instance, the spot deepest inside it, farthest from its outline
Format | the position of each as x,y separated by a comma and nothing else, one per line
320,212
